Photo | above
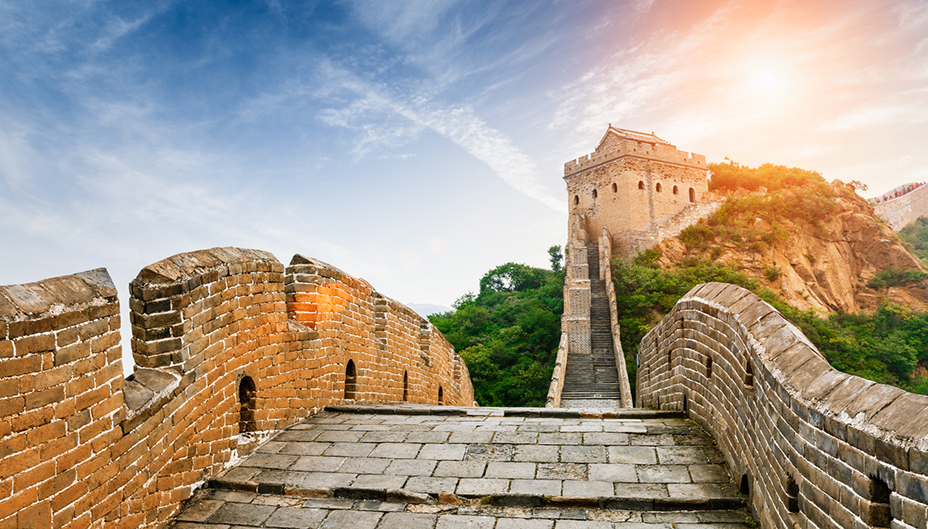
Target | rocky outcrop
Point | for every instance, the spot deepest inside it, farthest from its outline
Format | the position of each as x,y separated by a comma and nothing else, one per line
825,268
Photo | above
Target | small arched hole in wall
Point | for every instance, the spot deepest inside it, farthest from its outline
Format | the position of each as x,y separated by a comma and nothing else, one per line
748,374
792,494
692,195
745,487
676,190
441,396
595,193
351,380
640,184
879,514
709,367
615,188
685,403
576,199
405,386
246,401
658,187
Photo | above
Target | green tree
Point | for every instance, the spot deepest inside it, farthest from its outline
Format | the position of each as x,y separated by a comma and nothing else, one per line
556,254
508,333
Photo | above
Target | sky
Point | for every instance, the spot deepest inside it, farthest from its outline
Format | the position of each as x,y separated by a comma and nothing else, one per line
416,144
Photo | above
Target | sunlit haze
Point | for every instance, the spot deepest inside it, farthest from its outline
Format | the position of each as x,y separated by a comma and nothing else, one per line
414,144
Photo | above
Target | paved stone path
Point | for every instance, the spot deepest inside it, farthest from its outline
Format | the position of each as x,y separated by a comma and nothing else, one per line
441,467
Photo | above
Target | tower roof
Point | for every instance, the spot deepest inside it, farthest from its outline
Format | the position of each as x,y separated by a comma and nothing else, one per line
626,134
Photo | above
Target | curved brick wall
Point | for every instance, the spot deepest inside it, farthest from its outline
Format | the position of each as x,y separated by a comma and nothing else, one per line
799,435
82,447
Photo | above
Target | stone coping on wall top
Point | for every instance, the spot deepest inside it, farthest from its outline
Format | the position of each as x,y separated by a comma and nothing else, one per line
57,295
185,266
889,414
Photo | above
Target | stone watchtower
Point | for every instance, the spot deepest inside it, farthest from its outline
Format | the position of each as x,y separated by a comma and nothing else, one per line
637,186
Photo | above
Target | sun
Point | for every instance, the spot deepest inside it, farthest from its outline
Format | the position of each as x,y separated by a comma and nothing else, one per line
767,79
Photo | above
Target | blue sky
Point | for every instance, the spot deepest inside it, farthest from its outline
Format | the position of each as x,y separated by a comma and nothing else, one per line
415,144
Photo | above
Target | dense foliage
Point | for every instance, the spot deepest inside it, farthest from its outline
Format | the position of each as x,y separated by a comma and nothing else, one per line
755,221
733,175
889,346
508,333
915,238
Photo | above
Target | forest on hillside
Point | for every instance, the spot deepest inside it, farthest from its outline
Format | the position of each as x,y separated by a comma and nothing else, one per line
508,332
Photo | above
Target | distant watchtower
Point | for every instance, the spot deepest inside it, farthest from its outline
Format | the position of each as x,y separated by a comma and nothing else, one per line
634,184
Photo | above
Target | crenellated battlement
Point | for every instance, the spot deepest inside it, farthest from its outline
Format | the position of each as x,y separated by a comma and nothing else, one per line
659,152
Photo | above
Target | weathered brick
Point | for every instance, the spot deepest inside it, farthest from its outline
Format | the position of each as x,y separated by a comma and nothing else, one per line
31,419
30,477
12,406
92,397
38,399
21,366
70,353
46,433
34,344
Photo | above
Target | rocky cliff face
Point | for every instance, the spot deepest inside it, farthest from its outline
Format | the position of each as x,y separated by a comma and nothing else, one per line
825,267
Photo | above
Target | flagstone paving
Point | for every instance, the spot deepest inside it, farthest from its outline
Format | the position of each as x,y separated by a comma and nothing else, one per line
441,467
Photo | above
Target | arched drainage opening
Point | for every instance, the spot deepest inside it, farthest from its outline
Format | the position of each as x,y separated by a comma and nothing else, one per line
685,404
879,514
792,495
748,374
441,395
405,386
745,485
351,381
246,402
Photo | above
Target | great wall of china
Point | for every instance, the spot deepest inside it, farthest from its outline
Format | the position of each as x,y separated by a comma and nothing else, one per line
233,348
226,341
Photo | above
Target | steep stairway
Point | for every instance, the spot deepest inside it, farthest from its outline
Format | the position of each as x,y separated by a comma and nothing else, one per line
592,379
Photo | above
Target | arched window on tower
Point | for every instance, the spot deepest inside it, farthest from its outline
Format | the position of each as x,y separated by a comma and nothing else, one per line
676,190
692,195
658,187
615,188
640,184
576,199
595,194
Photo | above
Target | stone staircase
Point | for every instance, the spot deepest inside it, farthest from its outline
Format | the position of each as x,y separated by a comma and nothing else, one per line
592,379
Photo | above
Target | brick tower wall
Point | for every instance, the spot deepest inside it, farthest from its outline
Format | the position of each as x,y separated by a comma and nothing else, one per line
633,188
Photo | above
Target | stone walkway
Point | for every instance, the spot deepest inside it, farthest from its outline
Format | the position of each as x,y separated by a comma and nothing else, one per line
442,467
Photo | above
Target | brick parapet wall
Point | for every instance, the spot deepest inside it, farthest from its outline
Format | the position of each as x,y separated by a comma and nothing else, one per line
840,451
61,401
605,268
902,211
80,446
384,338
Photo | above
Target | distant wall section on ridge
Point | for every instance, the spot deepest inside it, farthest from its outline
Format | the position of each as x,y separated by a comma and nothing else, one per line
904,210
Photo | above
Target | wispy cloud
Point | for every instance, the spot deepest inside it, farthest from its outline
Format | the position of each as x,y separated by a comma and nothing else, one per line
459,124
